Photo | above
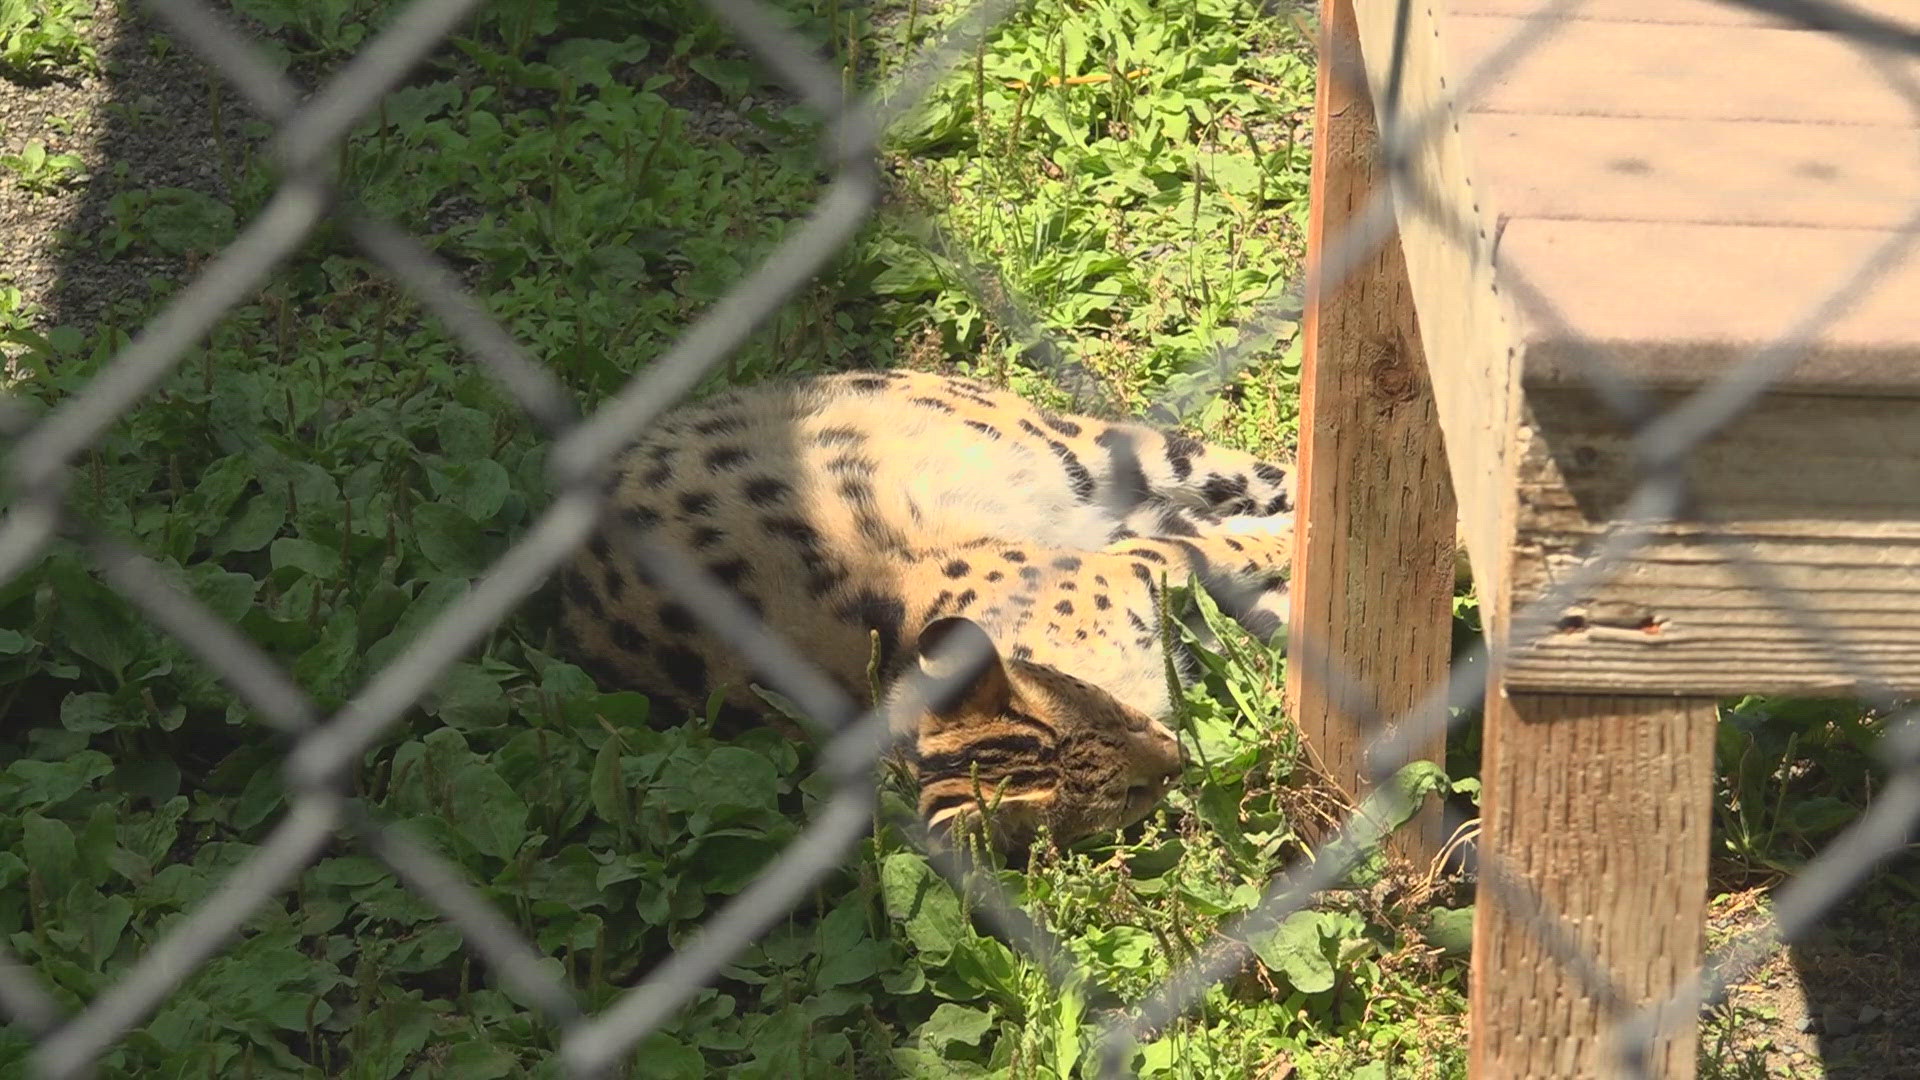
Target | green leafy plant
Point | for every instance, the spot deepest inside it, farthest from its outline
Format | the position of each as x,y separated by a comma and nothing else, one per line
39,37
38,171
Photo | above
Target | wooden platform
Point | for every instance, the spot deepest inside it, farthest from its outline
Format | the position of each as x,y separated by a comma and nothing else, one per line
1660,189
1682,182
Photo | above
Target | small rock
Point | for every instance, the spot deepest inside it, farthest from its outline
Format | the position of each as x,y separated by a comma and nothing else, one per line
1870,1013
1806,1023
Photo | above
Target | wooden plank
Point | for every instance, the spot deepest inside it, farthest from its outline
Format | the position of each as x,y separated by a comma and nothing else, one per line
1372,583
1602,805
1675,301
1595,68
1465,324
1726,172
1700,12
1823,491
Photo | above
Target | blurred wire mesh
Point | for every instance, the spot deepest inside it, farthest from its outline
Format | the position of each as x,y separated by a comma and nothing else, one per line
310,129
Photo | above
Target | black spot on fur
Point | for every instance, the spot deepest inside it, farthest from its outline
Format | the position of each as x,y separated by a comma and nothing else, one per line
1030,574
1022,601
825,579
1140,571
1136,622
1060,424
683,667
935,403
858,492
1079,635
838,436
1232,544
1181,450
1174,523
721,424
961,602
1100,601
1079,480
613,582
1067,562
851,465
1275,505
1270,474
659,474
1068,586
676,617
1099,579
730,571
994,575
1147,553
1220,489
626,636
1014,555
599,547
696,502
706,536
764,490
640,517
868,383
791,529
1064,607
984,428
725,457
574,584
1021,652
956,569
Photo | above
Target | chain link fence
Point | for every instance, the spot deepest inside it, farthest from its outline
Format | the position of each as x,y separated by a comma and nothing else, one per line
310,129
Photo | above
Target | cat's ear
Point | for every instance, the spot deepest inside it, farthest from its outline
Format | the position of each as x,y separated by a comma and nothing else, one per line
964,672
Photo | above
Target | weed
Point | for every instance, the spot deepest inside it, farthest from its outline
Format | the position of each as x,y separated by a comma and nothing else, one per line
39,37
38,171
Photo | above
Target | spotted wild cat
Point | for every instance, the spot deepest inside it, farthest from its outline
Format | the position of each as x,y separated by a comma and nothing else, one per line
924,506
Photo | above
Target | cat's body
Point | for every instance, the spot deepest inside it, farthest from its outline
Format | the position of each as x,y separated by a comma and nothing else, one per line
899,501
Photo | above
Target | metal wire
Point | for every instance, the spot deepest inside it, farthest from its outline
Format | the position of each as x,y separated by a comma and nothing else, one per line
322,806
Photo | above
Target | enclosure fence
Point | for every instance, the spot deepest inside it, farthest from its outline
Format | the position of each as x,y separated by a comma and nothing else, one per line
321,805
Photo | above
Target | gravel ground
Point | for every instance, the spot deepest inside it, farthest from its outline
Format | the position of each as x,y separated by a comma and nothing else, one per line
1842,1006
143,120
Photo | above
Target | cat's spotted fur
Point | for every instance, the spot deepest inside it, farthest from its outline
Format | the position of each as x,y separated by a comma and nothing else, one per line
930,507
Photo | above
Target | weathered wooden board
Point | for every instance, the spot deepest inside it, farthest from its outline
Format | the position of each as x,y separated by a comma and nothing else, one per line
1372,621
1664,188
1602,806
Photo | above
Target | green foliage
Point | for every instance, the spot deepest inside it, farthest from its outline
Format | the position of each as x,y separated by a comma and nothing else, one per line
40,37
1793,773
38,171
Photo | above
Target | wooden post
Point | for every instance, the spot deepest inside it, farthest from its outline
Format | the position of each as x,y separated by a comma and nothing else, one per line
1374,569
1602,805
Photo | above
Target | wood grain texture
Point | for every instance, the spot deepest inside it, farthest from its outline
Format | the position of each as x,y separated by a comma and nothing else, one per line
1466,326
1373,572
1695,12
1820,491
1594,67
1602,805
1610,168
1684,182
